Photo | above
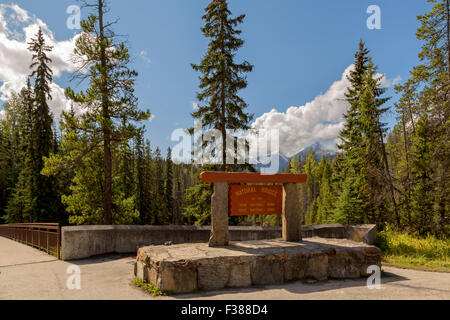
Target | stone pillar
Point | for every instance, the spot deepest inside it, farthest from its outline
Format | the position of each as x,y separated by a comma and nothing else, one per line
291,215
219,215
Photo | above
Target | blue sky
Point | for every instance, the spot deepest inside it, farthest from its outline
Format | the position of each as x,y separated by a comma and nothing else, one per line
299,49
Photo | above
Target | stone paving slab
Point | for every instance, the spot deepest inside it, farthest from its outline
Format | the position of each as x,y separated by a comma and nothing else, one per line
188,268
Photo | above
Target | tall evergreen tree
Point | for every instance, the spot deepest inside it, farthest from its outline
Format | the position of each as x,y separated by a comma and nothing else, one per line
222,78
168,188
20,118
433,76
111,106
350,165
46,199
364,166
422,201
159,190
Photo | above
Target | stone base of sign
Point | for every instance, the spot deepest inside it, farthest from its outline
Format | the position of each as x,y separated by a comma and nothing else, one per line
291,215
187,268
219,216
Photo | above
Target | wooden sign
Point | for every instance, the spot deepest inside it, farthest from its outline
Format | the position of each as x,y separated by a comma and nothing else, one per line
255,200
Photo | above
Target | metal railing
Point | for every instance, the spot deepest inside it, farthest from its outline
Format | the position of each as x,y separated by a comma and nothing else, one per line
43,236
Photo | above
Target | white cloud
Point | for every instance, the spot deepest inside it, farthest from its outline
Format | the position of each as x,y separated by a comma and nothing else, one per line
320,120
17,27
144,56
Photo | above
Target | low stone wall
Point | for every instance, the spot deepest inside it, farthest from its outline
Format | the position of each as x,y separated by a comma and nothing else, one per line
366,233
86,241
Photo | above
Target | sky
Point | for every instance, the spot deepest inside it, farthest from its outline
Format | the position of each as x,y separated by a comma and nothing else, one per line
301,52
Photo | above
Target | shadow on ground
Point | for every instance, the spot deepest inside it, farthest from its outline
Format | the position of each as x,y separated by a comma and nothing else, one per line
297,287
103,259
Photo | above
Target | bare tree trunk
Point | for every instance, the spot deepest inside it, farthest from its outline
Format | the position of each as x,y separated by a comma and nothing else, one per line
107,196
408,183
447,11
389,178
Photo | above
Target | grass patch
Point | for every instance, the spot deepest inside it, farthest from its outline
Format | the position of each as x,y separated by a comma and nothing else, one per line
408,251
149,287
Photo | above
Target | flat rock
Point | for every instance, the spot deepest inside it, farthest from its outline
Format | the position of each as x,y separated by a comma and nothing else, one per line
190,267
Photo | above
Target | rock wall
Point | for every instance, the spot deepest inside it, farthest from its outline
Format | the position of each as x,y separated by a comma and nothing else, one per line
86,241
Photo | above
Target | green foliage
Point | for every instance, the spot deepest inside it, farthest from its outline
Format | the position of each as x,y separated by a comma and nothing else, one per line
222,78
105,172
198,204
149,288
420,141
168,189
408,250
34,197
106,125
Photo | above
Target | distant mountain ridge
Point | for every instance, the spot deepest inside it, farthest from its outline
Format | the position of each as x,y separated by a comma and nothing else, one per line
318,149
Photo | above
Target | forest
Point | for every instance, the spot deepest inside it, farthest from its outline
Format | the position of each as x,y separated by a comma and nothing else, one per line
95,165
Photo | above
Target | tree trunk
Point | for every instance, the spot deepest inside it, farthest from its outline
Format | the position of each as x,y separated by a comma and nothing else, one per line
447,12
388,175
408,183
107,197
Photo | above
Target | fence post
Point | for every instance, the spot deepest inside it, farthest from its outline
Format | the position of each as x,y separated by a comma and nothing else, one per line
58,242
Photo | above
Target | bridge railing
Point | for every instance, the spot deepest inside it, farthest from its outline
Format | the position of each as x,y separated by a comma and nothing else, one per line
43,236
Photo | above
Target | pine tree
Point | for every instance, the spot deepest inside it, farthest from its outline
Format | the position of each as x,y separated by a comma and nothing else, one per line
351,135
433,76
325,198
46,200
4,166
20,117
422,171
376,168
350,165
222,78
158,193
140,190
168,188
111,105
311,187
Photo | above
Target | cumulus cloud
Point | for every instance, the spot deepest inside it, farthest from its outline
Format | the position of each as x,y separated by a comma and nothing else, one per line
17,28
318,121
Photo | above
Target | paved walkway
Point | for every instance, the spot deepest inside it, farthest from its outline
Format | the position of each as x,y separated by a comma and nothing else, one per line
26,273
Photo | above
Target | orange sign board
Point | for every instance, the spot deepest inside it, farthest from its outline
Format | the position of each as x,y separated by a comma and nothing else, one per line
255,200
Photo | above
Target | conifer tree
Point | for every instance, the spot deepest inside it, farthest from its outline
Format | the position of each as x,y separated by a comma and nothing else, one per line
364,158
168,188
222,78
422,201
433,76
111,106
376,169
20,114
46,200
159,191
350,166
